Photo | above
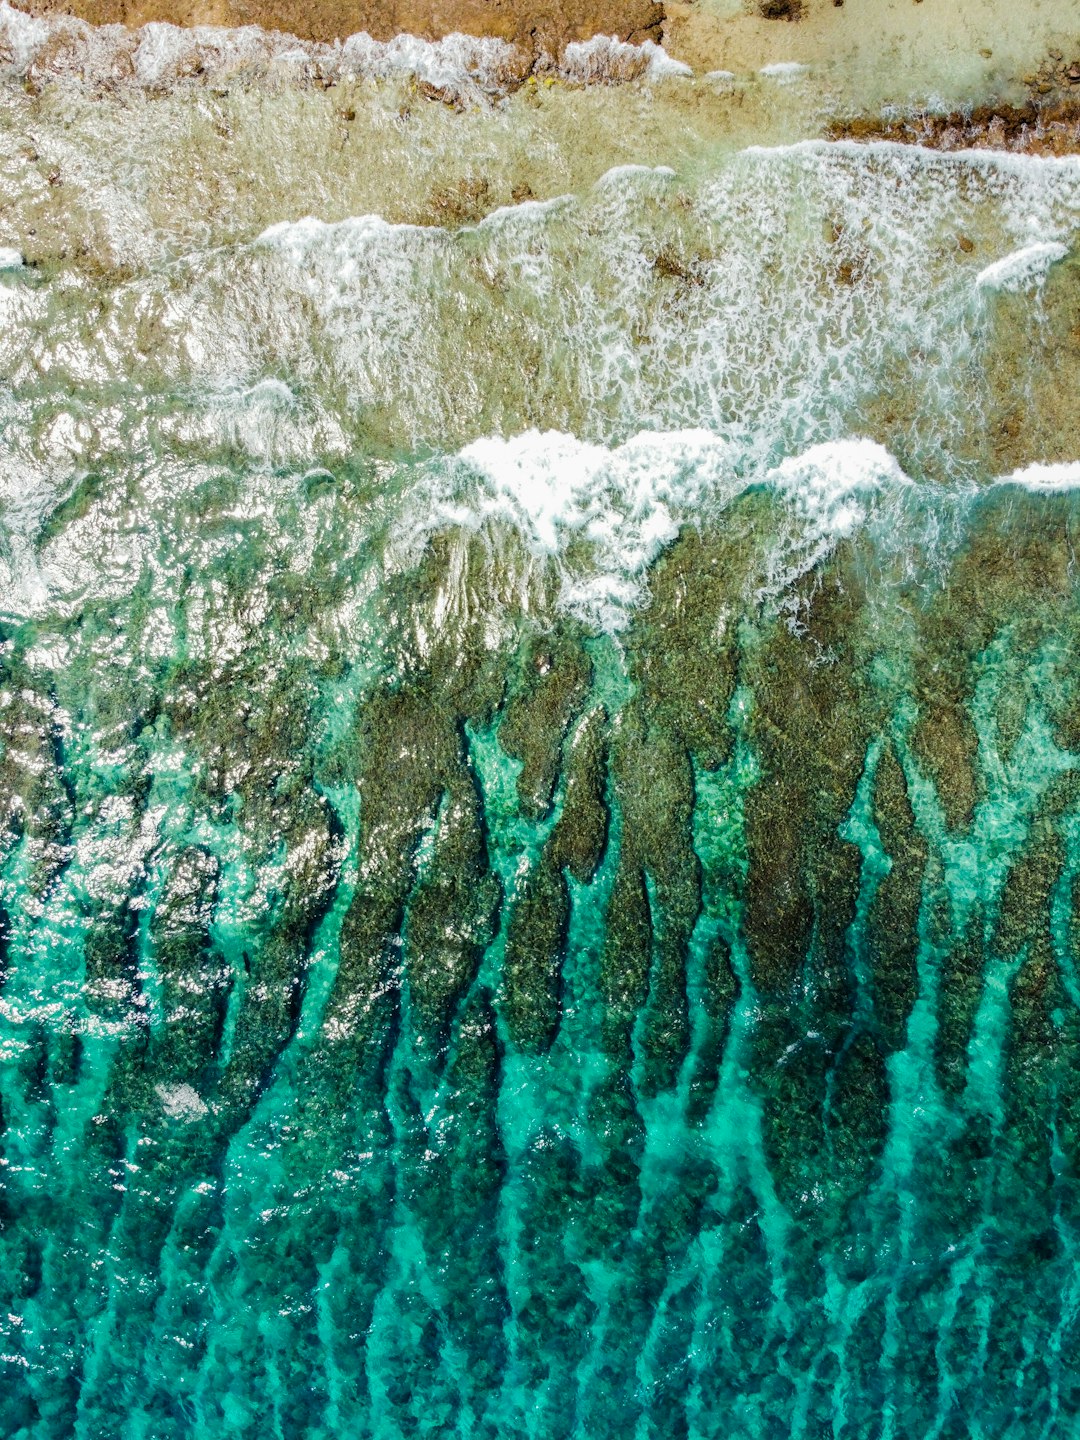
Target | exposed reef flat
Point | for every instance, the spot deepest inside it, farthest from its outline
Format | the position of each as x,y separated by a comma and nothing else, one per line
1033,129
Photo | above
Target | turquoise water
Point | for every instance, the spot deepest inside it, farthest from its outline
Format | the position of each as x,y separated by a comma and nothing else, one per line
541,811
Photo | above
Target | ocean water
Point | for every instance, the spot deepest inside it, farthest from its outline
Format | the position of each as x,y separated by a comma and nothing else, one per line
539,776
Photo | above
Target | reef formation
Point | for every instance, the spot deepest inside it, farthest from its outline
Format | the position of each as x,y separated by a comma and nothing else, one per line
539,769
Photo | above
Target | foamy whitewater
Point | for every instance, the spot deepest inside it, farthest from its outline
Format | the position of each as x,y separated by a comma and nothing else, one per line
158,56
539,819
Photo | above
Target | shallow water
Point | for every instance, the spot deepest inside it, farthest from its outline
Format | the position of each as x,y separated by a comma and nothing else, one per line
539,822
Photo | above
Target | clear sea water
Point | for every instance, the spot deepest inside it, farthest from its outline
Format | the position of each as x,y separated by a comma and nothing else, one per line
539,779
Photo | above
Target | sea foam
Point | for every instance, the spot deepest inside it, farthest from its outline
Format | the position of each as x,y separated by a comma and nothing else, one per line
606,58
1023,267
626,502
1044,479
784,72
160,56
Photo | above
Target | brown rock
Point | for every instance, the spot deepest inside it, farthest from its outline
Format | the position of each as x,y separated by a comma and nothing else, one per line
1048,128
780,9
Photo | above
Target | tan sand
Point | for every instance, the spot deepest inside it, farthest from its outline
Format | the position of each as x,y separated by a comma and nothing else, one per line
878,51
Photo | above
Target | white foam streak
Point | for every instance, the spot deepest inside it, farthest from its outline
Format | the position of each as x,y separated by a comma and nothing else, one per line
1046,479
619,174
606,58
296,239
785,72
1027,266
524,212
1018,164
